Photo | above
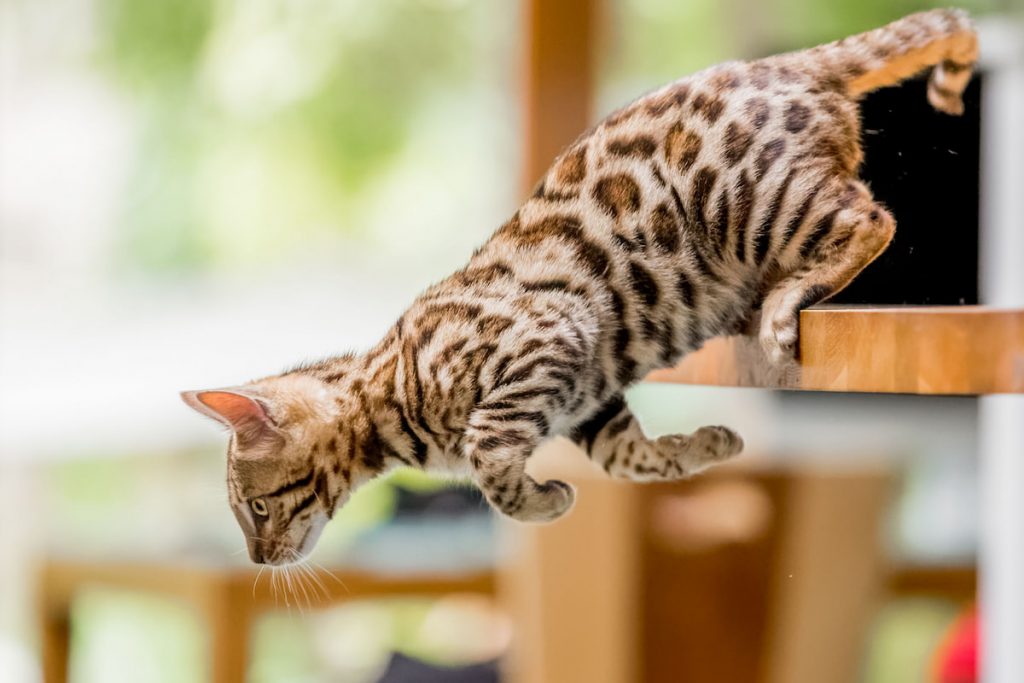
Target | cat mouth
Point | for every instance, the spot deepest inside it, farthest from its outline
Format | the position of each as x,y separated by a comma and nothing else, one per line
281,557
285,554
273,554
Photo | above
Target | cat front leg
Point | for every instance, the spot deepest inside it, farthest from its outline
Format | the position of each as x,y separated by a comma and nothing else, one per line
498,444
614,440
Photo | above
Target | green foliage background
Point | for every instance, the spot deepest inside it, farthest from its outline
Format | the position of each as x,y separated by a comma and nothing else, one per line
312,101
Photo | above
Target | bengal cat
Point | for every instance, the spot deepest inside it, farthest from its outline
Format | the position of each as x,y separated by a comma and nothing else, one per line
678,218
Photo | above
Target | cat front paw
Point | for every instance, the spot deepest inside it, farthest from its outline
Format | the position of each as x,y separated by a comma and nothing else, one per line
540,502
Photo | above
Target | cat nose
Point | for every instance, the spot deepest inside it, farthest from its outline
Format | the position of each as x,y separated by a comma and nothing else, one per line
256,554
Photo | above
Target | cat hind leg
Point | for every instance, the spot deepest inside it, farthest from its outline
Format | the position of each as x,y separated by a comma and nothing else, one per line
851,231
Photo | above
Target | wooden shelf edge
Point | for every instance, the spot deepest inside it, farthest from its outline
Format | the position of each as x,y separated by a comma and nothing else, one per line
951,350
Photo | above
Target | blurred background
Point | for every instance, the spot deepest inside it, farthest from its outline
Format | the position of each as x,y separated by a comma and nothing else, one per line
199,192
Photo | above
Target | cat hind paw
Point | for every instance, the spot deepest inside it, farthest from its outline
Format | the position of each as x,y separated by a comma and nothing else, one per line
779,340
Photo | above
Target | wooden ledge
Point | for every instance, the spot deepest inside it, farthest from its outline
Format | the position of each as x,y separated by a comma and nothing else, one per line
966,350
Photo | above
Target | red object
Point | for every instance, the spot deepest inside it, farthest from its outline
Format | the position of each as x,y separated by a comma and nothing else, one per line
956,659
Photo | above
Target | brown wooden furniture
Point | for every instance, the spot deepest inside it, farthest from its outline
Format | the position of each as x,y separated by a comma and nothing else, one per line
228,598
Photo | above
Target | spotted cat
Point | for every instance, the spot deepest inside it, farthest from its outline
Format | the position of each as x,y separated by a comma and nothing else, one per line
678,218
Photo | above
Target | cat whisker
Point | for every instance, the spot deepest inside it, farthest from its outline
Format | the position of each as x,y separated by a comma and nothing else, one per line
331,574
315,577
303,578
291,588
284,587
301,584
300,581
314,598
314,580
257,580
273,580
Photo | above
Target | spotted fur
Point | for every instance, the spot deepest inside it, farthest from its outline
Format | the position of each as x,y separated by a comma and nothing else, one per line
681,217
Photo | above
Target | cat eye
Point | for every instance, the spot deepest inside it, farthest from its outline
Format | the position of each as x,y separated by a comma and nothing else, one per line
259,506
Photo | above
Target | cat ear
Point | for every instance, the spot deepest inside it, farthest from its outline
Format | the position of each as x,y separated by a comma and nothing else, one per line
243,413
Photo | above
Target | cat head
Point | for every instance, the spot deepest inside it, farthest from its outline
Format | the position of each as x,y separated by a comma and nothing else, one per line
281,486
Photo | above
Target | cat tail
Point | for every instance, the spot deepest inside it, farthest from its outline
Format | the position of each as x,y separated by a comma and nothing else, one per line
942,38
